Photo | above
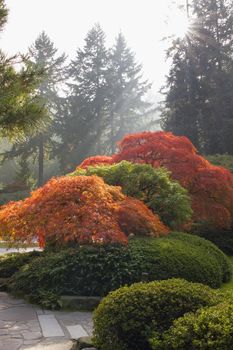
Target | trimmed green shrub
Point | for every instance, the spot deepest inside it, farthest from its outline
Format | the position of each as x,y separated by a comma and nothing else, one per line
154,187
207,329
97,270
12,262
185,256
127,317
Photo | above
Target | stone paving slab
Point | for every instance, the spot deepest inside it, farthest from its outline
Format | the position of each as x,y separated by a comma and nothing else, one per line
52,345
10,344
77,331
20,328
50,327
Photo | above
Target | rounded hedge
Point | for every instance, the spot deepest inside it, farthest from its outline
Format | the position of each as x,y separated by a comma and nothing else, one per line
182,255
97,270
154,187
127,317
207,329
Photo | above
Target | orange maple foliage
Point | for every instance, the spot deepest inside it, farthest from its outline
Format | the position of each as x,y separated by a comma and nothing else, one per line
138,219
80,209
211,187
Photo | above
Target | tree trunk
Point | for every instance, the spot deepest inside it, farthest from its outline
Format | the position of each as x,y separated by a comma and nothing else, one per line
41,162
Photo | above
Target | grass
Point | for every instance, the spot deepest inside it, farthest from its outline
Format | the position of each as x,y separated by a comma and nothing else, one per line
229,285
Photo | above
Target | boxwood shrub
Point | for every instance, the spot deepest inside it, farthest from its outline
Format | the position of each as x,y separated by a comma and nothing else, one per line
208,329
97,270
127,317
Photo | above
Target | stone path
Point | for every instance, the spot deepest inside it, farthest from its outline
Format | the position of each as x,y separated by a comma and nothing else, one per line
25,326
17,250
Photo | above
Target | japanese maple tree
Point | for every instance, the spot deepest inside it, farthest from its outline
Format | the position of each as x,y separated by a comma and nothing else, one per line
210,187
80,209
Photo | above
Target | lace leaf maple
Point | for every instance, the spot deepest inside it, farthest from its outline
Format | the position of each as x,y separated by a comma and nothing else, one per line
80,209
210,186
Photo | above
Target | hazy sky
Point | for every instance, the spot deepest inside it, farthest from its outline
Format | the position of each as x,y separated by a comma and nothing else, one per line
143,22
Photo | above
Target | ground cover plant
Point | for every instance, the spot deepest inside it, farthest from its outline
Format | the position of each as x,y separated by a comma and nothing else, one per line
97,270
82,210
154,187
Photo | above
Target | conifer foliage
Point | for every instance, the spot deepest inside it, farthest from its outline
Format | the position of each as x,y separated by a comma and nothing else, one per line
21,109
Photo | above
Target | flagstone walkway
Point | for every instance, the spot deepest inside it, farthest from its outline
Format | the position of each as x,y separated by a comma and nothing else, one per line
25,326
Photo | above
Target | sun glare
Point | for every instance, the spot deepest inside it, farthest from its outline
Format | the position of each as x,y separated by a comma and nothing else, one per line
177,24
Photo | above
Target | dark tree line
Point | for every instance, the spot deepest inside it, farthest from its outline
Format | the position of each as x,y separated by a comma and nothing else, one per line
93,101
199,89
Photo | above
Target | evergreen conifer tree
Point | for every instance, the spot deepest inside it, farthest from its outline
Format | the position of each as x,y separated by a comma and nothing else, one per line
126,90
21,109
86,105
199,102
45,56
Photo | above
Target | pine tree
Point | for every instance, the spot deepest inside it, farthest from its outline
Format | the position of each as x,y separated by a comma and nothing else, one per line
126,91
199,101
45,56
21,110
86,106
106,99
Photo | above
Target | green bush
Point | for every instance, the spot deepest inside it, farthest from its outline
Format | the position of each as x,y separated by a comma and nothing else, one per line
185,256
12,262
95,271
207,329
154,187
127,317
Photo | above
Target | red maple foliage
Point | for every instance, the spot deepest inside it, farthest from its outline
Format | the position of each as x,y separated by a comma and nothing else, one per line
80,209
95,160
211,187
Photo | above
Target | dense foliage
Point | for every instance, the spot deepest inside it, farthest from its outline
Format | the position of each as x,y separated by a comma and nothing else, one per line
12,262
207,329
127,317
152,186
97,270
210,186
79,209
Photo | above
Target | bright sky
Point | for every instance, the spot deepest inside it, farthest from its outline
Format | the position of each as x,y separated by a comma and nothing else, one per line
143,23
